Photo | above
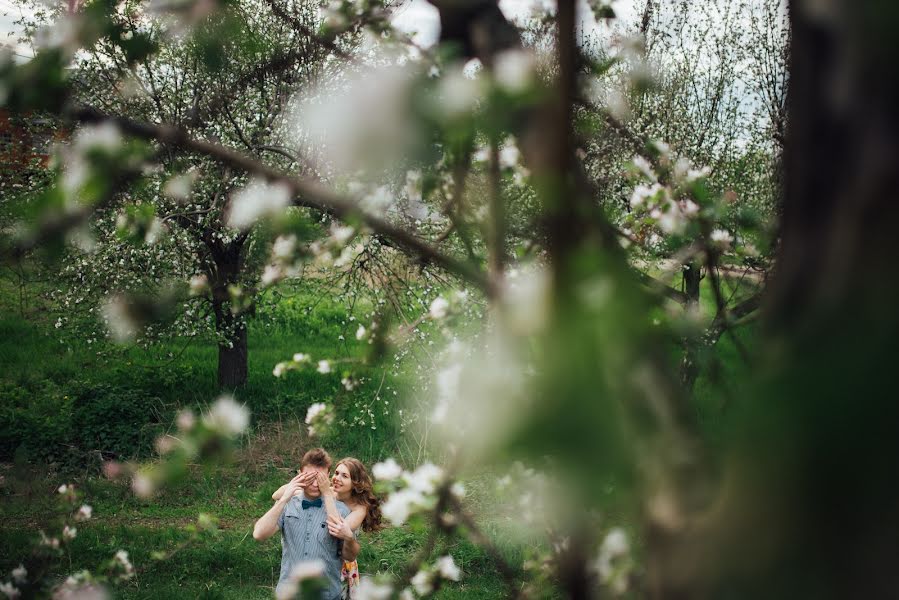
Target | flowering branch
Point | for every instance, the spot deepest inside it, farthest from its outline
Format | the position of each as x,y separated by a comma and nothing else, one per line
305,193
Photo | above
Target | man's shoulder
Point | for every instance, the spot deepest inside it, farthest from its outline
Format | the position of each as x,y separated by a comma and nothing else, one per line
342,508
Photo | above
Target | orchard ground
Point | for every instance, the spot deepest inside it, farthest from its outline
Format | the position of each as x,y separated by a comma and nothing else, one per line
66,406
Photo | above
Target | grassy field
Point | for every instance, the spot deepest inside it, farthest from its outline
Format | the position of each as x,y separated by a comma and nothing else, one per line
65,406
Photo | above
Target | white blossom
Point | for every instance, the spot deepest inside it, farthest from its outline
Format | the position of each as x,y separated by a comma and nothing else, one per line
324,367
361,332
439,308
258,199
644,167
20,574
379,201
10,591
307,569
142,485
448,569
199,284
341,234
387,470
514,70
459,93
399,505
613,546
121,557
279,369
227,416
284,246
425,478
314,410
369,589
299,357
271,275
423,582
362,123
121,324
458,490
185,420
509,155
84,513
643,194
105,137
69,533
721,238
179,187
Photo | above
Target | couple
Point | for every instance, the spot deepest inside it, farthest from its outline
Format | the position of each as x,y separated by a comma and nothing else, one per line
318,520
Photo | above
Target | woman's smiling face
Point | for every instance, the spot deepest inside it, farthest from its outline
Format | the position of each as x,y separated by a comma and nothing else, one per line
342,482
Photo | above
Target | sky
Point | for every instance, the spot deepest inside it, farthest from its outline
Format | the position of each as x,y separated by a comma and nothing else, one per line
9,31
420,18
415,16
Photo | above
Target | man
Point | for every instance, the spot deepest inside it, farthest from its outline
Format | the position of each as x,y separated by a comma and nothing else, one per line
305,531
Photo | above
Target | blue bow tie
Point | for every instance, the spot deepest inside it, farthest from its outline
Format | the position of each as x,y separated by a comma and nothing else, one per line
307,503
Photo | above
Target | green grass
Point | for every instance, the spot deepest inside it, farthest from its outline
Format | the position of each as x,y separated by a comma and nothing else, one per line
40,400
228,564
46,377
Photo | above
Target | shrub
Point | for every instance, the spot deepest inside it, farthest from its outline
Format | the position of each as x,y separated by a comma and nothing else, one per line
119,422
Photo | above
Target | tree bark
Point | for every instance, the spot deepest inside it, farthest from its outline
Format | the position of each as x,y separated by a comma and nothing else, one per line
811,505
689,366
232,360
230,324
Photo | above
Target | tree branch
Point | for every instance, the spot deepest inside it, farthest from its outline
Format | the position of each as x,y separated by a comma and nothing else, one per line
306,193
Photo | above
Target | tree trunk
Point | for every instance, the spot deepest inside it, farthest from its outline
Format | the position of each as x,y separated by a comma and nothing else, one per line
689,366
232,367
814,476
232,359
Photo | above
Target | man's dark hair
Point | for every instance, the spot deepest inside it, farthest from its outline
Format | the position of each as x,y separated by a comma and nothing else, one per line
317,457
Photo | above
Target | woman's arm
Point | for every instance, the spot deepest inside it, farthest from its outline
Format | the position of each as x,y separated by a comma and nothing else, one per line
355,518
328,494
299,493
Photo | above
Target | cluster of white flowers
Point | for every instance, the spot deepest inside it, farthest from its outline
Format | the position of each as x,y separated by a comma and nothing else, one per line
319,417
199,284
227,416
143,484
257,200
50,542
9,589
139,226
722,239
120,320
123,563
515,71
84,513
369,589
412,492
309,569
668,206
613,562
442,307
179,187
444,568
80,586
525,299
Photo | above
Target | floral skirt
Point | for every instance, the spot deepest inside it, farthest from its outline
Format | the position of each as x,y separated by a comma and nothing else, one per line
350,578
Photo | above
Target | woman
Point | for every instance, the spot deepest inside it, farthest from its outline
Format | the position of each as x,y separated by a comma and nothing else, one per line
352,485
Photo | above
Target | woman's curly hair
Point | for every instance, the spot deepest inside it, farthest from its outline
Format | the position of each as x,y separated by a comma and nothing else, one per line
363,493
